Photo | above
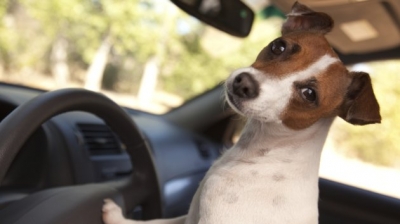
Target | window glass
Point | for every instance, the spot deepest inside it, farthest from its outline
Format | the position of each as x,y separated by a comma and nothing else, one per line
145,54
369,156
148,54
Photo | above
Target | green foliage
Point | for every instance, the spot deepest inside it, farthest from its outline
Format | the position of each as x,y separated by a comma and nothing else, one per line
138,29
86,23
196,69
378,143
8,36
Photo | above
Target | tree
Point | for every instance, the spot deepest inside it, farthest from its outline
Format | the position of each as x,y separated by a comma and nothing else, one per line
161,40
93,28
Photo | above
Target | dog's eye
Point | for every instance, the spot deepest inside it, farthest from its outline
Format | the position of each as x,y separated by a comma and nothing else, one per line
278,47
309,94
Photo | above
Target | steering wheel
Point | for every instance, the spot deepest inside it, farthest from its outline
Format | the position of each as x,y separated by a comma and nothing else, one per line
82,203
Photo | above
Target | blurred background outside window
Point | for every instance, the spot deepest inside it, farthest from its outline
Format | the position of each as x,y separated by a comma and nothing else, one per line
147,54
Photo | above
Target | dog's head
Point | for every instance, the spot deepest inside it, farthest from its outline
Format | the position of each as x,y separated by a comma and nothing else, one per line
298,79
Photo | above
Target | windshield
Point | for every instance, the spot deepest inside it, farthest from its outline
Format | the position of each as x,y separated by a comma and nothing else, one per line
149,55
144,54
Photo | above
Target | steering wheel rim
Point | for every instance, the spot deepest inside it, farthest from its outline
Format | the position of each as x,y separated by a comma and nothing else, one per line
141,188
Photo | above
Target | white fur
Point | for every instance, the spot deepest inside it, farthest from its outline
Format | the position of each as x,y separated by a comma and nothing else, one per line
276,186
275,93
271,175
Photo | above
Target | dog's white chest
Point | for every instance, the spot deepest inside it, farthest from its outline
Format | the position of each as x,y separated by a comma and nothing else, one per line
250,193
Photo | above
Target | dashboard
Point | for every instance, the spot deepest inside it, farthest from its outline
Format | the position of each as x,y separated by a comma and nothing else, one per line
79,148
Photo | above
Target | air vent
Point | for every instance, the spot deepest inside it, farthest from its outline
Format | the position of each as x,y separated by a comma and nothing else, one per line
99,139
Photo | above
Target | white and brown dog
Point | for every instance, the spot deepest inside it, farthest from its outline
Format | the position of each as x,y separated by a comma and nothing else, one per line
290,95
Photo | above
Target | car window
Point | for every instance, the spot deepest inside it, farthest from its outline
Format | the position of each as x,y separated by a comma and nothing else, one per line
145,54
369,156
149,55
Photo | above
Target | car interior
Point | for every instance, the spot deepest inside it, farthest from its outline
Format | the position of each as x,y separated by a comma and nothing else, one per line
62,152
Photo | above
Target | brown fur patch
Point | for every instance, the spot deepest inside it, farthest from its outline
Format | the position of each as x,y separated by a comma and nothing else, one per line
360,106
331,85
312,47
331,89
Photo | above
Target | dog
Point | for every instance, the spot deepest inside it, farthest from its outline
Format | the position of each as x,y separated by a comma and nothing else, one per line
290,96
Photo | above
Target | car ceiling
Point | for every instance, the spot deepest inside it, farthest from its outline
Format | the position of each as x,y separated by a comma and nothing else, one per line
367,28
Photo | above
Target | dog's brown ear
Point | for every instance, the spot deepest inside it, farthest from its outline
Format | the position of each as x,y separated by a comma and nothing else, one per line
360,106
301,18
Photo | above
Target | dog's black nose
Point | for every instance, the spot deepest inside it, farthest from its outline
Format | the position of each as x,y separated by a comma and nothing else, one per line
245,86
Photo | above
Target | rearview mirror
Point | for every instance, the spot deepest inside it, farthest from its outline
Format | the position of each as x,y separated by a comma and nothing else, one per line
231,16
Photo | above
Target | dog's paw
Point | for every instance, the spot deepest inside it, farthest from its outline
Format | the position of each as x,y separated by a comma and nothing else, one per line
112,213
